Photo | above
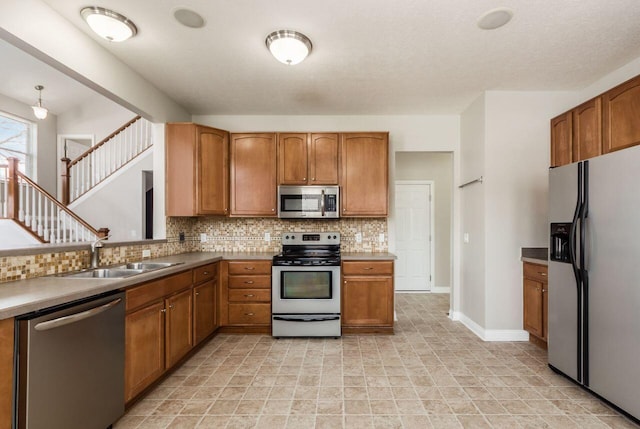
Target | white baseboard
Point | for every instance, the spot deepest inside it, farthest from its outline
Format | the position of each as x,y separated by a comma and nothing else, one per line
441,289
490,334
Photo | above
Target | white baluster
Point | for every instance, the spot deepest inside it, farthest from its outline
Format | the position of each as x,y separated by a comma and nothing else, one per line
39,219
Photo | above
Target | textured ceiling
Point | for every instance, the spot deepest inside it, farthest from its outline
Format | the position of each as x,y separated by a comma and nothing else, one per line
369,56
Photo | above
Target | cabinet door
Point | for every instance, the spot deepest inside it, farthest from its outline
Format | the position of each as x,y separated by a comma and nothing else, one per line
587,130
532,297
253,175
204,310
6,372
561,139
179,329
364,174
144,348
180,167
367,301
323,159
292,159
213,171
621,113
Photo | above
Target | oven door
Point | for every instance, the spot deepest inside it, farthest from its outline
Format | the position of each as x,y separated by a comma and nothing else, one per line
305,290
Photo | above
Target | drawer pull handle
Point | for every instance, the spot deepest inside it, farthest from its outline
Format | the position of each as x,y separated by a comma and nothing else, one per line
248,314
541,273
249,282
368,268
249,295
206,273
249,268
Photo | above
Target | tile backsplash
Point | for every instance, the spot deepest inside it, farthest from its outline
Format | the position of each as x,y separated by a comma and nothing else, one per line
222,235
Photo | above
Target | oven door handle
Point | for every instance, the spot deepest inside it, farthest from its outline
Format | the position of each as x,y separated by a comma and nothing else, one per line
306,319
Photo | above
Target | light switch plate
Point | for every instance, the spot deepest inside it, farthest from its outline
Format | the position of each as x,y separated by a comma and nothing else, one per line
267,236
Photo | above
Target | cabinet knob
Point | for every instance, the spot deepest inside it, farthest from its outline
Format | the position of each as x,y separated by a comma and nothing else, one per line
368,268
273,210
197,293
313,178
544,290
249,282
248,314
164,310
250,268
304,178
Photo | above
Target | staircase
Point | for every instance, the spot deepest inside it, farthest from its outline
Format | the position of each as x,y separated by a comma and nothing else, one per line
105,158
51,221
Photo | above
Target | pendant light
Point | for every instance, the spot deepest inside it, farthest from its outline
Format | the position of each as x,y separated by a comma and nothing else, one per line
288,47
39,111
108,24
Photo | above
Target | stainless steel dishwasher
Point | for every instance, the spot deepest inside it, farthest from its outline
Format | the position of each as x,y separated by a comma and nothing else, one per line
70,371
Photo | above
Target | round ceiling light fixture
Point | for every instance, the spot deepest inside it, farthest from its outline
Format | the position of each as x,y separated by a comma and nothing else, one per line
288,47
189,18
495,18
108,24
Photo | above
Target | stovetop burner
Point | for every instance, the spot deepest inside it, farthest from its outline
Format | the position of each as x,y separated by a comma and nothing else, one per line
309,249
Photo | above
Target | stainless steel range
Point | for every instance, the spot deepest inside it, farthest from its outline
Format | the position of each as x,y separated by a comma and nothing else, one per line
305,292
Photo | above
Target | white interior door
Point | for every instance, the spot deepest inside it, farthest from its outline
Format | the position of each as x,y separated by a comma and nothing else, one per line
414,235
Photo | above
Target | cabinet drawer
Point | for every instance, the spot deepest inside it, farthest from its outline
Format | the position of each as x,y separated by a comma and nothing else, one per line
250,295
253,282
535,272
249,314
249,267
204,273
141,295
367,267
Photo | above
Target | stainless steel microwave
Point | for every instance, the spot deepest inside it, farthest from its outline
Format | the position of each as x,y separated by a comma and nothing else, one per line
308,202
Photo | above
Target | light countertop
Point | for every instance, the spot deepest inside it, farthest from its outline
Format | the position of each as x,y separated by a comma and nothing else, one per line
25,296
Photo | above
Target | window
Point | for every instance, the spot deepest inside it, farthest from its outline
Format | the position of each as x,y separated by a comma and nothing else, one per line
16,140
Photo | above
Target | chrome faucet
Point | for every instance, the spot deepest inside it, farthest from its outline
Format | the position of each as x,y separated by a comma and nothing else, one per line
95,251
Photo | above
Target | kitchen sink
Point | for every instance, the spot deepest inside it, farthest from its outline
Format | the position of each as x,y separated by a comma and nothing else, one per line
120,271
105,273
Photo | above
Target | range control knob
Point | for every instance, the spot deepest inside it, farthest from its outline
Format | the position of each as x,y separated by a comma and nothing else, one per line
329,237
286,237
293,237
334,237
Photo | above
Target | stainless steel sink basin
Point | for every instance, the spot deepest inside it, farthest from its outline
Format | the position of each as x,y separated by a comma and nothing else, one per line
120,271
104,273
146,266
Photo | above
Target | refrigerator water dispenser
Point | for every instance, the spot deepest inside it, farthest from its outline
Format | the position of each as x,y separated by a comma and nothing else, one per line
559,244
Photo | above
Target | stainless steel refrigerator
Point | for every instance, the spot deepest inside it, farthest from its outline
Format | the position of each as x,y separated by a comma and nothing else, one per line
594,275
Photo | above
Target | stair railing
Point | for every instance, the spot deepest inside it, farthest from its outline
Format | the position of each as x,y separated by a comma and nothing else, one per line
39,213
105,158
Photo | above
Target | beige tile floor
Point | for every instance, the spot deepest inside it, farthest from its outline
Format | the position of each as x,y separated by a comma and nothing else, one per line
434,373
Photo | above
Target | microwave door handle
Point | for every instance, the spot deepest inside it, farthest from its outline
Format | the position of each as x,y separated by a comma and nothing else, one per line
322,203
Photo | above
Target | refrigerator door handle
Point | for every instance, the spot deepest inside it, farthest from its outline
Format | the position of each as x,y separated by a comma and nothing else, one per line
584,275
577,270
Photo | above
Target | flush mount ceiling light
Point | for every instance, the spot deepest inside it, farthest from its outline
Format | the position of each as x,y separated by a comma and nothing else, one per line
39,111
288,47
495,18
108,24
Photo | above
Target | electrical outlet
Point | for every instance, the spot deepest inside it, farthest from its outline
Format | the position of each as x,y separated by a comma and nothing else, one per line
358,237
267,236
203,237
381,237
146,253
181,237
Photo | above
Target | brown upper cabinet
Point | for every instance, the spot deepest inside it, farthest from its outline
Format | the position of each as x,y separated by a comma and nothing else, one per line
587,130
197,172
621,114
253,174
561,139
308,159
364,174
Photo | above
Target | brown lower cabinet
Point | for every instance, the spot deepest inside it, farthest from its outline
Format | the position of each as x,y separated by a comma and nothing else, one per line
6,372
535,302
367,296
245,296
165,319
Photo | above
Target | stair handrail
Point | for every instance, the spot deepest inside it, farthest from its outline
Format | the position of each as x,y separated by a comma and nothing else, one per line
102,142
14,179
92,171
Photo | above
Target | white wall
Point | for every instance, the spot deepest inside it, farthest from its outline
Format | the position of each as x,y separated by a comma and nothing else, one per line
438,167
472,151
13,236
46,141
29,24
118,201
97,116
